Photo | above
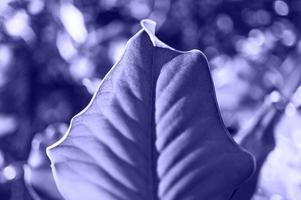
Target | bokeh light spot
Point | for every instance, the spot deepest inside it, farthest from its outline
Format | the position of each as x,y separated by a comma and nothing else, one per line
73,21
288,37
281,8
91,84
18,26
116,49
8,124
290,109
9,172
82,68
224,23
5,55
65,46
1,159
275,96
36,6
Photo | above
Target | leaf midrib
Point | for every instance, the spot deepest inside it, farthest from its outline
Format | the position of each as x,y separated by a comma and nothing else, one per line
153,151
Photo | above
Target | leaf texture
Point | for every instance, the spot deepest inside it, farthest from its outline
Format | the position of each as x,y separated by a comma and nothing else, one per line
152,131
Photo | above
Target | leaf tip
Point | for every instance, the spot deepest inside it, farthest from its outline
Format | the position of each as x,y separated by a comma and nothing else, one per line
149,26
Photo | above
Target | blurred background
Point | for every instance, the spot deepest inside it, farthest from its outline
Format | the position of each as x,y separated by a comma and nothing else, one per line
53,54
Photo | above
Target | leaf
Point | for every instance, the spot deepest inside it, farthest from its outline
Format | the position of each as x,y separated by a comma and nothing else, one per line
152,131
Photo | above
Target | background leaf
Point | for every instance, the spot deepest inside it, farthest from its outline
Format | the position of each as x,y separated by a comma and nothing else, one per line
152,131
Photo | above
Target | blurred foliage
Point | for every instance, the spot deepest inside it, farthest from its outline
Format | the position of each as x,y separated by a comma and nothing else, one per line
53,54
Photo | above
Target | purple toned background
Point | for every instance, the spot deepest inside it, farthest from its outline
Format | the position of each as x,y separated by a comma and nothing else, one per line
53,54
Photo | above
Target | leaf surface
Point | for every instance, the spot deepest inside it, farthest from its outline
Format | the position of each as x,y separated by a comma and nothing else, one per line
152,131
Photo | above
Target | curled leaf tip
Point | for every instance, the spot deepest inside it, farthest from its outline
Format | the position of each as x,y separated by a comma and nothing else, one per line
149,26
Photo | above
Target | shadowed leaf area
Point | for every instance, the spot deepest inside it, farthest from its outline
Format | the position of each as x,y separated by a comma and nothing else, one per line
152,131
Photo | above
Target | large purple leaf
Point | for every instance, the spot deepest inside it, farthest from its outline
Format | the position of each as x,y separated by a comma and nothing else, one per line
152,131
